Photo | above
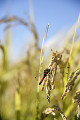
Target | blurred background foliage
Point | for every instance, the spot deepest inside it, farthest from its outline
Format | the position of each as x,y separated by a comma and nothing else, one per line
18,81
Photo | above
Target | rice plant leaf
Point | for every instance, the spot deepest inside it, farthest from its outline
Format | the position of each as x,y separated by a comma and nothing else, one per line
75,50
70,108
17,101
70,58
71,51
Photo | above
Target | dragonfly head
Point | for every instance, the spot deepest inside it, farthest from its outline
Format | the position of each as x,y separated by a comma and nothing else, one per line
46,71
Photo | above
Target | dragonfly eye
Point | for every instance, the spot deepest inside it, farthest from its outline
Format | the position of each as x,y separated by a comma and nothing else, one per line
48,70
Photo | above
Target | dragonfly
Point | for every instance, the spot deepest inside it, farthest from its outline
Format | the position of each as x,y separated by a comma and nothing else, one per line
46,71
50,73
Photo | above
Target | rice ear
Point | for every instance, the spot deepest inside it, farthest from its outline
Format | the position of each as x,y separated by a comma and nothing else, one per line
71,82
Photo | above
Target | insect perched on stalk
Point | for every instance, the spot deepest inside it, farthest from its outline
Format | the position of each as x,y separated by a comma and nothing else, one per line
46,71
50,73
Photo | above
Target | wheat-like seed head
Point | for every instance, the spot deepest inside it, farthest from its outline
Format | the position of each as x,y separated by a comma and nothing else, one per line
50,73
52,111
70,83
77,97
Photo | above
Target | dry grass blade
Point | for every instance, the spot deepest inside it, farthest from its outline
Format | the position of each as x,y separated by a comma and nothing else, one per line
43,49
42,55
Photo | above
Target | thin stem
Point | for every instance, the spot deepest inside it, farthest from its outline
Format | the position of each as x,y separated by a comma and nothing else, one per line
78,112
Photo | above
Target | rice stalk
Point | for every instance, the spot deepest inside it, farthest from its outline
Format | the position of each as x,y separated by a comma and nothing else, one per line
18,99
70,57
4,56
5,50
40,68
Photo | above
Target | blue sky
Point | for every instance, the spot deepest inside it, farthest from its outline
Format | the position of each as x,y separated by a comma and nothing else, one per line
59,14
